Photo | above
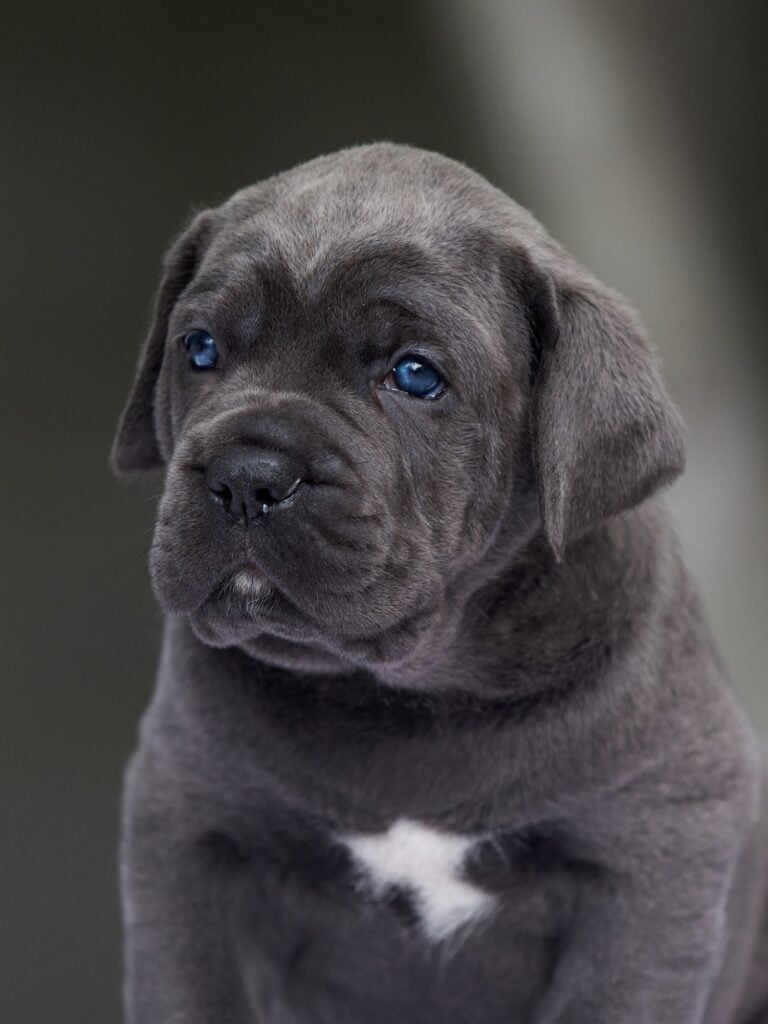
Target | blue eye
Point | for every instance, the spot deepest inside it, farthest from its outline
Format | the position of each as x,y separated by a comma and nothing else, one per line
203,351
416,377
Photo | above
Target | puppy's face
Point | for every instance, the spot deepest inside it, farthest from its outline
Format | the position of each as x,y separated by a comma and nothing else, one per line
341,383
346,449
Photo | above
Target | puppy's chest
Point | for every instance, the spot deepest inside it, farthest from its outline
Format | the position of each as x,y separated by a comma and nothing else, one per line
429,868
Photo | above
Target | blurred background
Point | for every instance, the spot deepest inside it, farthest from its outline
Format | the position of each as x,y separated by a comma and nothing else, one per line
636,132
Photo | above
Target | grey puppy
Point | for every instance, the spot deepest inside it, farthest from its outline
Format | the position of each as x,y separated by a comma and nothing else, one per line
439,732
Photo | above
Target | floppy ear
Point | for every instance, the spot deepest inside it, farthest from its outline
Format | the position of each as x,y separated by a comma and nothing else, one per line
605,433
136,447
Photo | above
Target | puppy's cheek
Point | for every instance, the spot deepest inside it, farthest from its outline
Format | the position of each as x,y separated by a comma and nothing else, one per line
179,582
187,558
391,616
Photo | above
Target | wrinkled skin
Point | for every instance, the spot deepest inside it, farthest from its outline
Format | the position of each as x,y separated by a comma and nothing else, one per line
397,507
471,614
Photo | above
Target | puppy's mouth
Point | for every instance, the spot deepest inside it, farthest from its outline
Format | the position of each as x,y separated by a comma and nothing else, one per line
248,610
243,604
337,572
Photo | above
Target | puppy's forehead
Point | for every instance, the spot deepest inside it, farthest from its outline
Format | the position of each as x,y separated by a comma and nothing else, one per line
364,269
272,255
336,208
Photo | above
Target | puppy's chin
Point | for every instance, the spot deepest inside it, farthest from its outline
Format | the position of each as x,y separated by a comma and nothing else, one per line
216,630
244,606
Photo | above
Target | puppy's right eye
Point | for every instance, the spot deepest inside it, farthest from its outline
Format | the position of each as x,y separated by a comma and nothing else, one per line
203,350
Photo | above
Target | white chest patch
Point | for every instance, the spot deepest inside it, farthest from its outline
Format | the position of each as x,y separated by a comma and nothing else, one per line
428,864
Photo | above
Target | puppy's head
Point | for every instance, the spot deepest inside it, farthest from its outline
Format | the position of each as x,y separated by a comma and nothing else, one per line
369,381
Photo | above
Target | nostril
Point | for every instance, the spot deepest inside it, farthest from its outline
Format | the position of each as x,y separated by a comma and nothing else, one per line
265,497
220,491
275,494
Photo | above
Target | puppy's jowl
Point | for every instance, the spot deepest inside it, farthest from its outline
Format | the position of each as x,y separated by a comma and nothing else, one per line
439,732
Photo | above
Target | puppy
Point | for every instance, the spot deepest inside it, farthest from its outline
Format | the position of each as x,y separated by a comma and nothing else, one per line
439,733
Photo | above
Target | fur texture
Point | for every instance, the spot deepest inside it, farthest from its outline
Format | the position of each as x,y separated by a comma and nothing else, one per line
444,737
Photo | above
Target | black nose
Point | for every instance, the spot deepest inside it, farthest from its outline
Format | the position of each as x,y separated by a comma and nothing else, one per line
246,482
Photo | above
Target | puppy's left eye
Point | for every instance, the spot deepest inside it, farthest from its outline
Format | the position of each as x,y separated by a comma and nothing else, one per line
416,377
203,350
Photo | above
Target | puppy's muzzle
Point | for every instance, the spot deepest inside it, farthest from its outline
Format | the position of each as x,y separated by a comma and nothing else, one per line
248,482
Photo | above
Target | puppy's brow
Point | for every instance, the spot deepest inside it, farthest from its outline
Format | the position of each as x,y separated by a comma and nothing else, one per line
361,263
384,309
388,304
212,283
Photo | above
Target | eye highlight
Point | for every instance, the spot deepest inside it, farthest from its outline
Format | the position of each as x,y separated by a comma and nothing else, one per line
416,377
203,350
